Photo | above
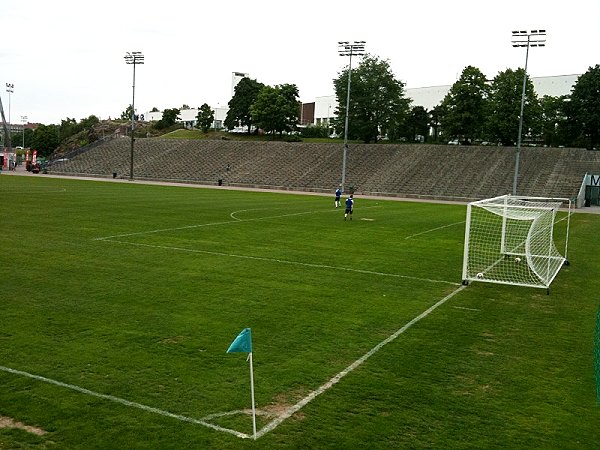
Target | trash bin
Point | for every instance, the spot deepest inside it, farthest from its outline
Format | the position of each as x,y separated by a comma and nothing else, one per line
220,182
114,174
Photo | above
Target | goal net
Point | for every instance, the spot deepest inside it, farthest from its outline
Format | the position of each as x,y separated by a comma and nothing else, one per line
510,240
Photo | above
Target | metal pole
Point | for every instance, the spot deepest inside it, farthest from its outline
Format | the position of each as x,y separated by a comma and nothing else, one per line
518,154
345,155
133,58
518,41
132,122
10,88
24,120
348,49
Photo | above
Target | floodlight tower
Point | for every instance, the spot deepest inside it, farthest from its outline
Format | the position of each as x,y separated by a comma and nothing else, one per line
345,48
533,38
10,88
134,58
24,120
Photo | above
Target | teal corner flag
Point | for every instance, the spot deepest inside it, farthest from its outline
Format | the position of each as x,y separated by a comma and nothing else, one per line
242,343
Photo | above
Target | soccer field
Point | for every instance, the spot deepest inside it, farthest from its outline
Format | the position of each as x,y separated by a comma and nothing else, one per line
119,301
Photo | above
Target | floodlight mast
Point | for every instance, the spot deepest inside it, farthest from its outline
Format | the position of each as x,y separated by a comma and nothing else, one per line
133,58
533,38
345,48
24,120
10,88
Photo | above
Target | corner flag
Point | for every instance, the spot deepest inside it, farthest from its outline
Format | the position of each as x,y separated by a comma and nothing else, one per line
242,343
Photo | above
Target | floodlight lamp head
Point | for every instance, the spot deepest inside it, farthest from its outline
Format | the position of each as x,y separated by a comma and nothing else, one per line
134,58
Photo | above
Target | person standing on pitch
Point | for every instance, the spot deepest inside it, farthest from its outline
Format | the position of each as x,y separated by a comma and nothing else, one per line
349,207
338,194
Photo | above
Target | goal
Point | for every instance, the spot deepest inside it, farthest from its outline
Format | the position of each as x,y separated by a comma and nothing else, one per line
510,240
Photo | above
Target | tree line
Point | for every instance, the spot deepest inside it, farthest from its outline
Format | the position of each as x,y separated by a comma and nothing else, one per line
475,110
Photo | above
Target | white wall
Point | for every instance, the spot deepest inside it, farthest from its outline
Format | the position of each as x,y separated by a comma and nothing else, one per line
325,108
555,86
188,116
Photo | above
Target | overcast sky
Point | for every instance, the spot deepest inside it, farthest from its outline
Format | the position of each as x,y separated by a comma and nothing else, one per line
65,57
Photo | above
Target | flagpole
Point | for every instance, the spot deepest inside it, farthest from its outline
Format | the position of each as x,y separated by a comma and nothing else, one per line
252,392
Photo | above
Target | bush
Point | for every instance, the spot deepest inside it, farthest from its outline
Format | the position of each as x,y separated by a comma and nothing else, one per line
292,138
312,131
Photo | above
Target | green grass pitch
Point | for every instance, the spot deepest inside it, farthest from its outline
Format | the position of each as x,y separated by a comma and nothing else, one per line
119,301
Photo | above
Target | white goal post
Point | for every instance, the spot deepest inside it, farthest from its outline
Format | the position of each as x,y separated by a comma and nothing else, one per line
510,240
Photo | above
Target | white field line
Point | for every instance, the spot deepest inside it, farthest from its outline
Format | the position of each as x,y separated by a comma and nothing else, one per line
227,222
298,406
466,309
433,229
271,425
124,402
281,261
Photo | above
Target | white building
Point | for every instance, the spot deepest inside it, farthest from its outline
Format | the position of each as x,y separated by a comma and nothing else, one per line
555,86
430,97
235,79
188,116
326,106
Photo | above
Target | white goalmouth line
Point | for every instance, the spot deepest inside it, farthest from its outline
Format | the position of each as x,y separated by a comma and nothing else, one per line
275,422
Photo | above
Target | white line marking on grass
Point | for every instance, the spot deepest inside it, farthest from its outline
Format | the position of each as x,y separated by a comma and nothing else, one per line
281,261
433,229
188,227
467,309
292,410
271,425
127,402
228,222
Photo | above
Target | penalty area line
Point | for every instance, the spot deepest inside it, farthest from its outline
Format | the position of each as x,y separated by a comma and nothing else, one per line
434,229
282,261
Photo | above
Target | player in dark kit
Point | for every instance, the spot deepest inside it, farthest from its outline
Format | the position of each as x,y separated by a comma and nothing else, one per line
338,194
349,207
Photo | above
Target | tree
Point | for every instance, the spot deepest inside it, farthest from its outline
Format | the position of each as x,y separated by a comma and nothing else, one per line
464,106
276,109
585,105
557,129
418,123
169,118
45,139
434,121
68,127
505,104
244,95
377,101
126,115
205,118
